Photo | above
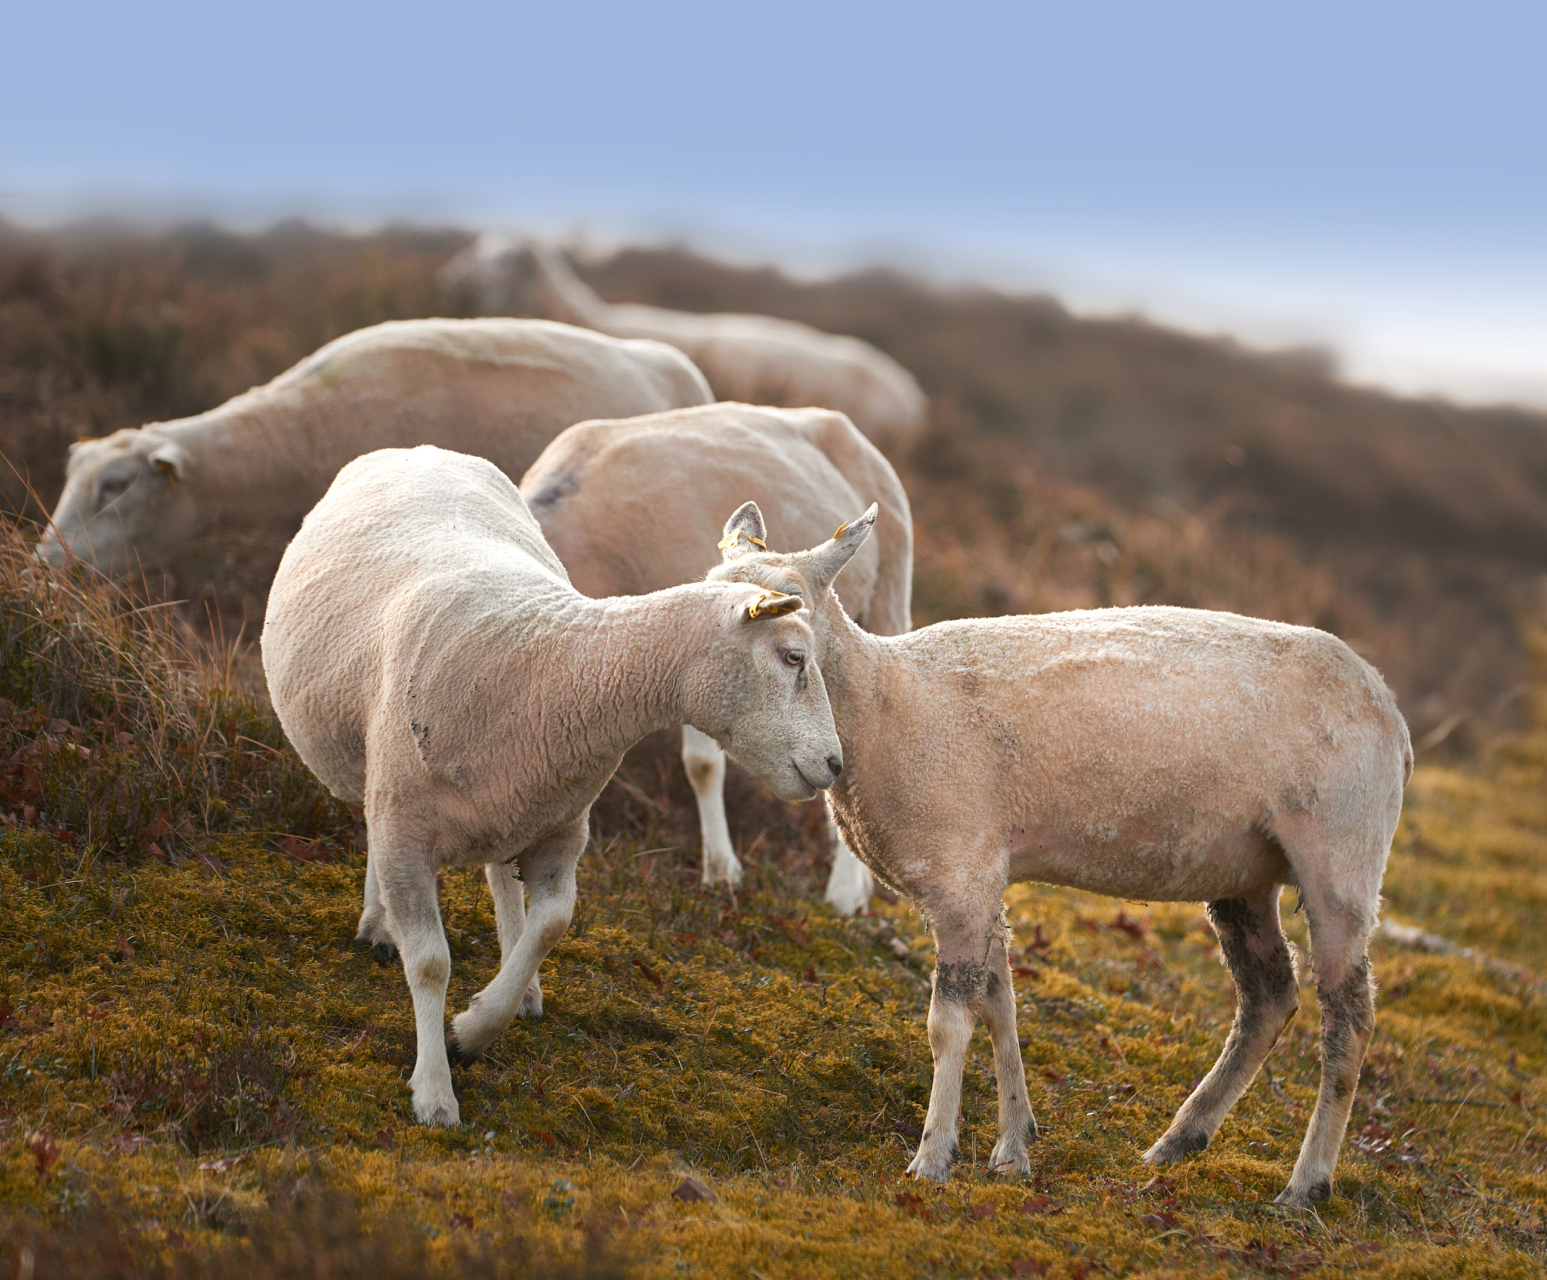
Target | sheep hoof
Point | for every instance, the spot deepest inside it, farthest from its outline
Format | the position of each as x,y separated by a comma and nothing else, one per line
1009,1158
384,952
441,1114
1318,1192
456,1055
531,1005
1178,1146
933,1164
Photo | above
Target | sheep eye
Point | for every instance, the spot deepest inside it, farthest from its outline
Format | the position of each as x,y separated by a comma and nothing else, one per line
112,487
794,658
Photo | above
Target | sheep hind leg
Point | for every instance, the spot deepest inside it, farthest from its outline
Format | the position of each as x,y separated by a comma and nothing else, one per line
704,762
373,931
1267,996
1017,1124
407,887
1346,991
960,986
510,914
548,868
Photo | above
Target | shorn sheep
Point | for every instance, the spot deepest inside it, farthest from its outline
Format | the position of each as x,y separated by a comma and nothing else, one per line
668,479
749,358
254,466
430,660
1151,753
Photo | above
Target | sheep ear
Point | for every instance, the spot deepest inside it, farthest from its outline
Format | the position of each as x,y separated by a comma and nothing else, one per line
171,459
771,604
827,561
744,533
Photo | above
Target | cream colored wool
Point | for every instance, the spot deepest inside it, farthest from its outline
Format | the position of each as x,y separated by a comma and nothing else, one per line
500,389
1148,753
637,505
749,358
429,659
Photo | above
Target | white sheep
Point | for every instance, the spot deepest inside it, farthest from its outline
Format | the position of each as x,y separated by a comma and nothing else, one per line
255,465
750,358
1156,754
637,505
430,660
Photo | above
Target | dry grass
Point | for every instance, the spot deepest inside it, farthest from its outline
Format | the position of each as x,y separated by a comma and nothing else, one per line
202,1075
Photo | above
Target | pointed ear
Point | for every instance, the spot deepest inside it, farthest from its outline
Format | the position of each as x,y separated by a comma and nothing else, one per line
825,562
771,604
744,533
171,460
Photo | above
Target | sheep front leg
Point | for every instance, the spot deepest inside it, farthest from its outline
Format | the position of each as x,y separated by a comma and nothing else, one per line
406,881
1017,1124
548,868
849,884
705,764
510,914
962,945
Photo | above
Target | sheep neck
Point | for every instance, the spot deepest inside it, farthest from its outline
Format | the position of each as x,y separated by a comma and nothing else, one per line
629,655
852,663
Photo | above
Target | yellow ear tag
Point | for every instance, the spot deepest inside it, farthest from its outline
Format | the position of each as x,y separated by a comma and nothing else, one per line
168,470
838,532
731,538
757,611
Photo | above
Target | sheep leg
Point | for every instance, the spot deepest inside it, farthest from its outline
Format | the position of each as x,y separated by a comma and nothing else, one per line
705,764
1346,990
373,931
548,868
1017,1124
407,888
1267,995
963,940
510,913
849,885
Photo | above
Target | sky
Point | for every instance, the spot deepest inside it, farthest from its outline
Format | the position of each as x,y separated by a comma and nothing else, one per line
1369,176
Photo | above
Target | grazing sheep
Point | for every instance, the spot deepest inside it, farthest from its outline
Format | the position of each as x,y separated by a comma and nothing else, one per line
755,359
430,660
500,389
636,505
1154,754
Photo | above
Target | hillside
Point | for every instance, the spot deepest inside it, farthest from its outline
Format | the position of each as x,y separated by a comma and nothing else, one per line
1071,461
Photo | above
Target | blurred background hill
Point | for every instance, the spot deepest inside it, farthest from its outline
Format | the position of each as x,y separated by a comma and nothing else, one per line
1070,461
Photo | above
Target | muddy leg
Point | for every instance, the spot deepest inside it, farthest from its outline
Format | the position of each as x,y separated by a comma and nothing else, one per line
510,914
1267,996
963,939
1017,1125
548,868
705,764
1346,990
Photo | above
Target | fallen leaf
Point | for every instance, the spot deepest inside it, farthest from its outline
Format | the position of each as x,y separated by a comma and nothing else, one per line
44,1149
651,974
692,1189
384,1139
224,1166
462,1220
125,948
979,1212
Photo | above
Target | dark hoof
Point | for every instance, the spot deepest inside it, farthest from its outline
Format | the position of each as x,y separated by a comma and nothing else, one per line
455,1054
384,952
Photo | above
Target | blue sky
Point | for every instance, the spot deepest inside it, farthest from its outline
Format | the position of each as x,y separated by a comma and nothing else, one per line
1373,175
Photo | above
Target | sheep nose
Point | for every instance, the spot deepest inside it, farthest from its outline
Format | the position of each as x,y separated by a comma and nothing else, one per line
835,763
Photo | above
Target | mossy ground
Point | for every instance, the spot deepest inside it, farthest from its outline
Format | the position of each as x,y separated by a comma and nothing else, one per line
195,1056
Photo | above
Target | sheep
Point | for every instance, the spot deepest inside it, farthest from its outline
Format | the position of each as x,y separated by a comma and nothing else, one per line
667,479
255,465
750,358
1150,753
429,659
